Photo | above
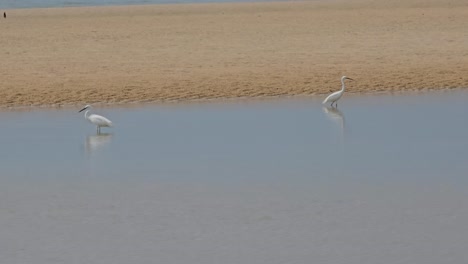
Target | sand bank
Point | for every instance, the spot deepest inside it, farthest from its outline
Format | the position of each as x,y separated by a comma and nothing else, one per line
205,51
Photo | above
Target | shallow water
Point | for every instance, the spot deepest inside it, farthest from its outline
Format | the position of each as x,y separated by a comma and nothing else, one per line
381,180
13,4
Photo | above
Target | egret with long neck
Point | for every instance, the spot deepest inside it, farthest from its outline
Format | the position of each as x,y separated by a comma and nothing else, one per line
334,97
97,120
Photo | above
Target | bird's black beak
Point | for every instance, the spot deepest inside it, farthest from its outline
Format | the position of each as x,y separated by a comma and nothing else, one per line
82,110
350,79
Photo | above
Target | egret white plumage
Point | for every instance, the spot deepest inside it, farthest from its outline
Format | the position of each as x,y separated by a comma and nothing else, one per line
334,97
97,120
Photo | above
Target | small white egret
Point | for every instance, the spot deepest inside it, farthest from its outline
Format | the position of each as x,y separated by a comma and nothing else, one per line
97,120
334,97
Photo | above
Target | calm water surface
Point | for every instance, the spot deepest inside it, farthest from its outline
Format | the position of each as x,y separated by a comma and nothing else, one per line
381,180
12,4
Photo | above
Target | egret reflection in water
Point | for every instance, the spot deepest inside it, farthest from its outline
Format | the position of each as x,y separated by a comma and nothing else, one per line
337,117
95,142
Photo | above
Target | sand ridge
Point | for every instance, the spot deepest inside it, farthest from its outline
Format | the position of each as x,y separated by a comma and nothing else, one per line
186,52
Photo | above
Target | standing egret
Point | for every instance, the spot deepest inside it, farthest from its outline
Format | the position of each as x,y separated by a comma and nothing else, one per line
97,120
334,97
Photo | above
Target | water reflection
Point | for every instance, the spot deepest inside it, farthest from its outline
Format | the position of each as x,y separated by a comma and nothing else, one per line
337,117
95,142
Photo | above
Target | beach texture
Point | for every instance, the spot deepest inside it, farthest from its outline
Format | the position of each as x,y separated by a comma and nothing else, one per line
181,52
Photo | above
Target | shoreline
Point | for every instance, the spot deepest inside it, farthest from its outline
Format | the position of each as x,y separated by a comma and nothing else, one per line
113,55
246,99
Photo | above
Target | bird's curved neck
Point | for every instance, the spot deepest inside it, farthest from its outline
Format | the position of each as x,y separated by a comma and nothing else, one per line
86,114
343,86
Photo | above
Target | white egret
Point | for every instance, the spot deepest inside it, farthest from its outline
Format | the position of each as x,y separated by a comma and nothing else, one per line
334,97
97,120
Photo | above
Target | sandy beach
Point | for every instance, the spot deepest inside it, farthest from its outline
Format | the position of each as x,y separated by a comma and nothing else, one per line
182,52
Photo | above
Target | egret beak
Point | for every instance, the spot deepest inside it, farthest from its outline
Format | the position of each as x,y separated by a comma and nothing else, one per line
84,108
349,79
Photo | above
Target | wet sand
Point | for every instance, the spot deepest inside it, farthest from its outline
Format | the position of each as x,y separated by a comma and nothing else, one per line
207,51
